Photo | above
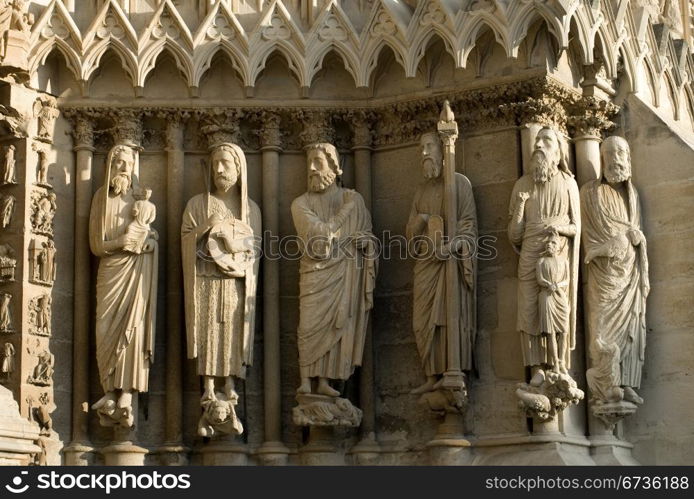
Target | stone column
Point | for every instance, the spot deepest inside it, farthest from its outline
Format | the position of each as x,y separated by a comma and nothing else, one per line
273,451
367,450
80,451
173,452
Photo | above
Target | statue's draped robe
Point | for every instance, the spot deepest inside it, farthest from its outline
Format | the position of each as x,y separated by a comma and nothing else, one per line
220,310
336,287
126,291
616,297
555,309
429,288
552,203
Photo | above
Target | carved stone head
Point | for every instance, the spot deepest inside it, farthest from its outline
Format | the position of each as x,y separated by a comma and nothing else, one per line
432,155
616,160
226,167
546,154
122,165
323,166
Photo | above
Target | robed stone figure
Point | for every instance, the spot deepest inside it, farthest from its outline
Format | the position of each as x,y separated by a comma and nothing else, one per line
219,236
545,204
337,274
425,230
126,292
617,277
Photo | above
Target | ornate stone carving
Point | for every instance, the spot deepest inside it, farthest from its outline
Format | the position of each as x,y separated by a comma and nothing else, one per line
8,360
592,116
220,270
8,263
46,112
42,374
42,264
82,131
40,315
444,235
15,28
42,169
322,410
617,284
270,133
7,204
221,128
277,29
43,207
334,227
545,228
8,165
6,313
128,251
317,127
543,401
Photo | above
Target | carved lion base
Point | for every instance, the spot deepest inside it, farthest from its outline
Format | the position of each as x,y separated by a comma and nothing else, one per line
219,417
321,410
543,402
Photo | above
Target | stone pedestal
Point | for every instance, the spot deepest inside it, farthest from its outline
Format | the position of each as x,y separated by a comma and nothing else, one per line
450,447
320,449
367,452
78,454
606,449
273,454
16,51
533,450
227,451
173,455
124,453
18,436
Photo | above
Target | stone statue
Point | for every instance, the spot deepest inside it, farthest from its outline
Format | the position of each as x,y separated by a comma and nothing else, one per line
8,262
125,313
43,371
44,207
545,229
5,313
337,277
42,168
144,212
8,171
7,210
46,112
43,316
617,278
425,227
8,361
220,271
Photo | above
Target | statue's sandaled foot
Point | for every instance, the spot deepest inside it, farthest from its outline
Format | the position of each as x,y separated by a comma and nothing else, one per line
208,395
305,387
538,378
325,389
104,401
428,386
631,396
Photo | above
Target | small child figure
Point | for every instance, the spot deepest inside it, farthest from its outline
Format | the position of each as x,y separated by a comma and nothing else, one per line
552,273
144,212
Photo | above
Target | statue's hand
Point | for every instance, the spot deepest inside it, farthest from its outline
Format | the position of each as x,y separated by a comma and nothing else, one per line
149,246
154,234
348,199
636,237
592,254
551,230
214,219
523,197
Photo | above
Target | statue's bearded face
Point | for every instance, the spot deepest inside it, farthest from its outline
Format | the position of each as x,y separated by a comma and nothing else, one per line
432,156
219,414
617,163
225,170
122,164
320,173
546,155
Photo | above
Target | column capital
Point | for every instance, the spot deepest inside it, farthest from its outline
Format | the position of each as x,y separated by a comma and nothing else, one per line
317,127
269,133
82,133
362,130
127,128
591,117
